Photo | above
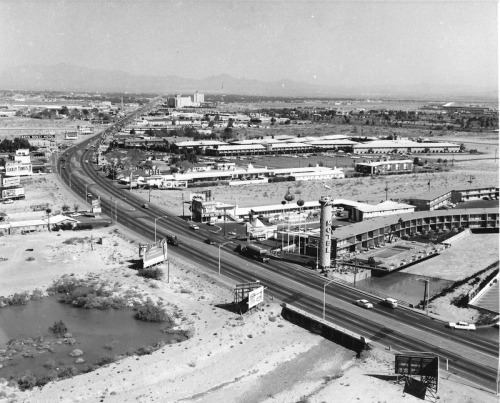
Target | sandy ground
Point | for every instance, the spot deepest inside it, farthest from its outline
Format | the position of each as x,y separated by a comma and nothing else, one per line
255,358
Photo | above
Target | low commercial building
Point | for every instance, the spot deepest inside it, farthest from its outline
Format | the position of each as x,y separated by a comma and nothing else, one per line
363,211
404,146
10,226
210,210
384,167
432,200
336,173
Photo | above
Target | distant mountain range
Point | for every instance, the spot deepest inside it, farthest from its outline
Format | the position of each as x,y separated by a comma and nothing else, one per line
65,77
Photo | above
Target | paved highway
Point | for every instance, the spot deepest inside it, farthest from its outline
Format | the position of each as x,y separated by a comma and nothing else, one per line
469,357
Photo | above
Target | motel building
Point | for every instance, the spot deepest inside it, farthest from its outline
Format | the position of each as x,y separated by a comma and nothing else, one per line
378,231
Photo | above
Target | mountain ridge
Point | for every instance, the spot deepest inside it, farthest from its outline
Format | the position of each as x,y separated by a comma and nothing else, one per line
67,77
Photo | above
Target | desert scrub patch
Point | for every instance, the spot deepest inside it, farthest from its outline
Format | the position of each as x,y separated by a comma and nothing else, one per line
150,312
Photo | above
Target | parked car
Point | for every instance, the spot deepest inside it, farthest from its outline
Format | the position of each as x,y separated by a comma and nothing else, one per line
232,233
9,201
364,303
210,222
462,326
194,227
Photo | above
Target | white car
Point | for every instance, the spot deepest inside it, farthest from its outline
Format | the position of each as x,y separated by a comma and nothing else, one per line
364,303
8,201
194,227
462,326
232,233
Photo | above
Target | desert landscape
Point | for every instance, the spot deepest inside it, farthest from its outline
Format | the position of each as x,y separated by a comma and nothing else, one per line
255,357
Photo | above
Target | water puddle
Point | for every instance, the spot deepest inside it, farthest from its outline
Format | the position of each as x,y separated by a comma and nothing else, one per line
100,334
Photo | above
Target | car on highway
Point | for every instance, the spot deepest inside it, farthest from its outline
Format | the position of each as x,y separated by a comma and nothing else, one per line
461,326
145,205
210,241
194,227
364,303
390,302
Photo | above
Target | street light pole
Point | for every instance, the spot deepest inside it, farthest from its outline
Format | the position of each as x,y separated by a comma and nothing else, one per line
116,214
220,246
324,297
158,218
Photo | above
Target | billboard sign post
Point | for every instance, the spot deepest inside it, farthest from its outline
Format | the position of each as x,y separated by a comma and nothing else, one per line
255,297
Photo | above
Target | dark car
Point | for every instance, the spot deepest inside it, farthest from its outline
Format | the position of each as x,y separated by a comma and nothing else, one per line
210,241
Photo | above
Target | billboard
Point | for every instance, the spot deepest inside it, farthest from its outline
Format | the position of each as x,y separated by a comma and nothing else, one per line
414,364
11,181
154,255
96,205
50,136
15,193
172,184
255,297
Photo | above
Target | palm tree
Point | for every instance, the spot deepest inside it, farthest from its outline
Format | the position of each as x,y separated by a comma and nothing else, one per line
48,211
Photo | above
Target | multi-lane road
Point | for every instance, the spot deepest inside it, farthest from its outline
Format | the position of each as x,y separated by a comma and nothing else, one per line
468,355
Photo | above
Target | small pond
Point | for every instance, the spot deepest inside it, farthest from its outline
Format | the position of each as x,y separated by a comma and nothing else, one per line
98,333
404,286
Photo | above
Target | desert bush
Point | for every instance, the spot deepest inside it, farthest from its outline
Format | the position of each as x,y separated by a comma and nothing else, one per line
18,299
150,312
150,272
59,327
50,364
67,372
105,361
37,294
45,379
80,227
26,382
30,259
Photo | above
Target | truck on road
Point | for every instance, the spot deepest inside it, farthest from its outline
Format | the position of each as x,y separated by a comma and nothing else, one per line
172,240
253,252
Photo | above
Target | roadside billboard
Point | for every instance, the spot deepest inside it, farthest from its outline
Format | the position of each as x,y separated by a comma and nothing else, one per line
38,136
96,205
255,297
15,193
414,364
9,181
155,255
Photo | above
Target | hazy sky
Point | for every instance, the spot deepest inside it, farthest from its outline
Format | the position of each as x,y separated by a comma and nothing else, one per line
323,42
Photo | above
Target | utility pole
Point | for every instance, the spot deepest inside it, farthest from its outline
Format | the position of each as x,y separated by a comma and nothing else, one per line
183,205
386,189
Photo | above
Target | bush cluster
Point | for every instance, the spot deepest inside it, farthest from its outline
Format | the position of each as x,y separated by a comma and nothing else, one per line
151,272
18,299
92,299
150,312
59,327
